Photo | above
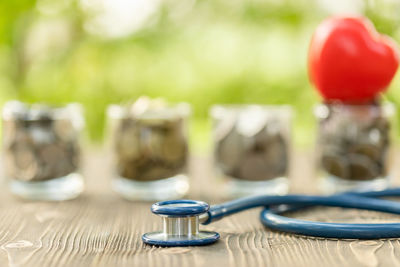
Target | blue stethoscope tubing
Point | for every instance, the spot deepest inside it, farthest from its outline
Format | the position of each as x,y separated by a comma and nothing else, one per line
271,216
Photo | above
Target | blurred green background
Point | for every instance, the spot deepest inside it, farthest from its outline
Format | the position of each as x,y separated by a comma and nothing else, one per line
204,52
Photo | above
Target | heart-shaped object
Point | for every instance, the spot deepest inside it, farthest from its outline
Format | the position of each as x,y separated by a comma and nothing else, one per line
349,61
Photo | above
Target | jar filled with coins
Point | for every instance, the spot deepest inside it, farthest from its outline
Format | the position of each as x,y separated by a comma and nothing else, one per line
353,146
252,147
41,150
150,148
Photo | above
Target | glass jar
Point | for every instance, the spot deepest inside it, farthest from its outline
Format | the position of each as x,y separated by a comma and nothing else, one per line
252,148
42,150
354,146
150,148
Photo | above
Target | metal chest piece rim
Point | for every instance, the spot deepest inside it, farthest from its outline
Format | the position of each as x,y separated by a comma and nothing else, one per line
180,224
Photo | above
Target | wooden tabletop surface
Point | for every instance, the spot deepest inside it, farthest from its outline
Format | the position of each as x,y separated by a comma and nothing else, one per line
101,229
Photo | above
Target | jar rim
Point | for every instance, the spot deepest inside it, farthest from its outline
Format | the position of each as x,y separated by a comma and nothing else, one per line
322,110
68,110
120,111
282,110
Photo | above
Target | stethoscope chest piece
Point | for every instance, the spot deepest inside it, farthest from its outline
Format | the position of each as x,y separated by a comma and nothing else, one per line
180,224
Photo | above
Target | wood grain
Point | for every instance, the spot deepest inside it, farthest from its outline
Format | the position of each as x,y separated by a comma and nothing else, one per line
101,229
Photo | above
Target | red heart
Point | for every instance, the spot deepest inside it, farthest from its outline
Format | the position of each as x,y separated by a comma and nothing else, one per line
349,61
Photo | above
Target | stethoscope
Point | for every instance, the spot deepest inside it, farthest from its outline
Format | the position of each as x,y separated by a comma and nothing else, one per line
181,218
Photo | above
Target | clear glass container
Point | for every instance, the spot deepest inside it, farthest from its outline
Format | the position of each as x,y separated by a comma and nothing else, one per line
354,146
150,149
252,148
41,150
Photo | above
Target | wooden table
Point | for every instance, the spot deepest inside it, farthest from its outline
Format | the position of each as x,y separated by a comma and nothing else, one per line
101,229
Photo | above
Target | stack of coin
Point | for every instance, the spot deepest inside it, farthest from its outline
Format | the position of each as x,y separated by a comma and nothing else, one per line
150,142
251,145
354,147
40,143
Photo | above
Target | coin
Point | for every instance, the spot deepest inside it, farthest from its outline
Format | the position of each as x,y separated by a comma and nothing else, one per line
251,120
335,165
223,127
253,168
39,150
150,143
276,155
64,130
9,132
229,151
155,172
127,140
371,151
55,157
362,168
355,147
261,155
